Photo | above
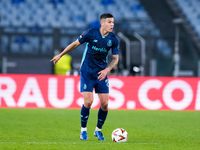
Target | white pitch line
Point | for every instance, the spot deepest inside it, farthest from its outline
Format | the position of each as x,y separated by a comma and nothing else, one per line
54,143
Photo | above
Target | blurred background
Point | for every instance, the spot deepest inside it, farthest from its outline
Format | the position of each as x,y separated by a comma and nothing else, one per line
157,37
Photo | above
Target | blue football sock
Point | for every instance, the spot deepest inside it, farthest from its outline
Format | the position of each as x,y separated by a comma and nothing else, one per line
101,118
84,116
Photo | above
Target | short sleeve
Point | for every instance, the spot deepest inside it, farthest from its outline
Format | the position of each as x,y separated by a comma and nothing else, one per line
84,37
115,48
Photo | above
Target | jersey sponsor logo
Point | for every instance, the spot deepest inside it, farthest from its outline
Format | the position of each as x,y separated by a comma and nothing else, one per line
109,43
99,49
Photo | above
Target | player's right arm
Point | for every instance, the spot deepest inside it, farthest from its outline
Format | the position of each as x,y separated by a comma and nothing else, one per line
68,49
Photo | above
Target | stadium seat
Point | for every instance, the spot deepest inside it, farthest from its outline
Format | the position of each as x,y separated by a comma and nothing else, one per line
15,48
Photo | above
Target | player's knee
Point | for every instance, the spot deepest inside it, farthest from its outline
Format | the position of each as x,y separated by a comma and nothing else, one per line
104,106
88,103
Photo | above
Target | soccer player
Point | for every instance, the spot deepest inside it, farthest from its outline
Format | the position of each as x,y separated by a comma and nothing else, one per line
94,69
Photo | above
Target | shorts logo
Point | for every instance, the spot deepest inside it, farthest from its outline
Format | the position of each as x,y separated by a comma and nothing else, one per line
109,43
85,86
107,83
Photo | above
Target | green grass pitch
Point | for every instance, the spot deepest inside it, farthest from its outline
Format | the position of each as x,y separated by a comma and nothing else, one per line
30,129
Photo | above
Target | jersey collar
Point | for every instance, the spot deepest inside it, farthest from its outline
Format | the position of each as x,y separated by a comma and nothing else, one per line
102,35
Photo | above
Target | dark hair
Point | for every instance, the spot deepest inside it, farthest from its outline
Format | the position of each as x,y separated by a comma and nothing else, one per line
106,15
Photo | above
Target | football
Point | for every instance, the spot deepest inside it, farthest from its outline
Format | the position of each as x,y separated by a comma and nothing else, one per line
119,135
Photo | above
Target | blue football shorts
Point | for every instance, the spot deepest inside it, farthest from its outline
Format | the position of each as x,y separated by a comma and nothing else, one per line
89,82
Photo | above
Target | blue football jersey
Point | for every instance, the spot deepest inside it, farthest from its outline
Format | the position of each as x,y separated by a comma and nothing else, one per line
97,48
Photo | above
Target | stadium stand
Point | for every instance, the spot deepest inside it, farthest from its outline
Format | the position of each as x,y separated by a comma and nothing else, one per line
38,27
37,14
28,21
66,13
190,14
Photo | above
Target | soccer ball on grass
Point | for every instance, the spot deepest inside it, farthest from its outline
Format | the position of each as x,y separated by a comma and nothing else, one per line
119,135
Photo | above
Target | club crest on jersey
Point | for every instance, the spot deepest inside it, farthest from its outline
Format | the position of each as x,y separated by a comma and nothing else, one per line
109,43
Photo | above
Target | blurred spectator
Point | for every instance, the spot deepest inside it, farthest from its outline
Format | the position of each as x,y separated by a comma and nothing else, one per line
56,2
64,65
21,40
107,2
17,1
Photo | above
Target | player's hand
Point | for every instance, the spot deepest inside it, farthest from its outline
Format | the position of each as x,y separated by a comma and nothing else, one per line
55,59
102,74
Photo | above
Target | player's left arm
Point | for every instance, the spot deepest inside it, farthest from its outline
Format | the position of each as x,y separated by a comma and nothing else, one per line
68,49
113,63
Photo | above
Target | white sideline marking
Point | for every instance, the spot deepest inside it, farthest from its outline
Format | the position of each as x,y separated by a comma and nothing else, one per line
51,143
